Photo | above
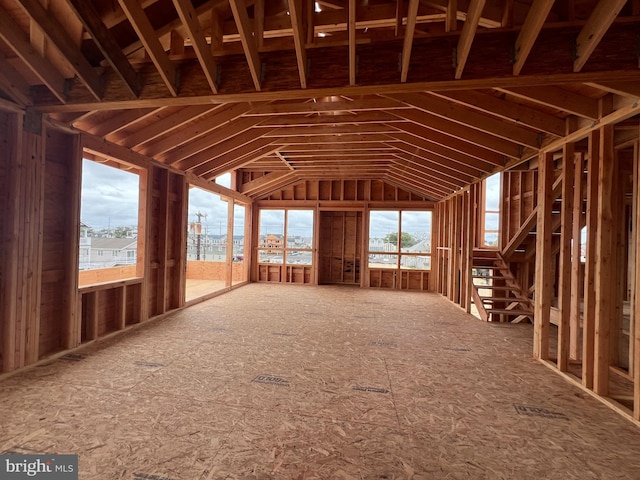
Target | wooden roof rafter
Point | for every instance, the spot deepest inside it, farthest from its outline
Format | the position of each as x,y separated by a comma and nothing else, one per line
190,21
248,40
104,39
146,33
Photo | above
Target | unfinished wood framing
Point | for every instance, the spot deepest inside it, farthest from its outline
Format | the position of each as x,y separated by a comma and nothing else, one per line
331,108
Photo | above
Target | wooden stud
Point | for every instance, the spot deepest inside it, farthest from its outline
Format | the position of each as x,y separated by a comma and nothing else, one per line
408,38
241,17
351,30
635,332
297,24
544,258
564,267
589,315
605,263
577,281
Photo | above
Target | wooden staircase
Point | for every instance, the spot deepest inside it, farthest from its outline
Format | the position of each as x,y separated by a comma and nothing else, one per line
496,293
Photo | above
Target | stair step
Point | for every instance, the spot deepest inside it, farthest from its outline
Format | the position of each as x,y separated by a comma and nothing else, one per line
516,313
505,299
496,287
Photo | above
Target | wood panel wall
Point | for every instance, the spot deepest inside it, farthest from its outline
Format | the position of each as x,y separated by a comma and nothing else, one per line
42,309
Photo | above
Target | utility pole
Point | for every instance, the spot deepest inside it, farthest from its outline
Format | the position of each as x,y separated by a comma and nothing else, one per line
199,232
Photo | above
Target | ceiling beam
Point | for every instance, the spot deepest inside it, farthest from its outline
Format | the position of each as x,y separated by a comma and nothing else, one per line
491,125
118,121
468,33
247,39
342,106
12,83
149,39
556,97
529,33
309,120
183,142
412,15
627,89
455,144
457,131
235,132
237,158
351,27
189,19
107,44
444,154
15,37
511,111
263,182
601,18
71,52
297,24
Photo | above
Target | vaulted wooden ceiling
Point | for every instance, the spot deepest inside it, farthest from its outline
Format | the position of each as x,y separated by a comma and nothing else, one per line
428,95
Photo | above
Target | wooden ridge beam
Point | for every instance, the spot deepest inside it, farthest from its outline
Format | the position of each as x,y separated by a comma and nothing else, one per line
107,44
342,106
189,19
353,119
141,24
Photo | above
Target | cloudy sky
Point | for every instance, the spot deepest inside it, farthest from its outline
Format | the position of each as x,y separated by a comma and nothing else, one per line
110,199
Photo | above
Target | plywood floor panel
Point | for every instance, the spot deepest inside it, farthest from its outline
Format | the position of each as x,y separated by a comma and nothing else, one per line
298,382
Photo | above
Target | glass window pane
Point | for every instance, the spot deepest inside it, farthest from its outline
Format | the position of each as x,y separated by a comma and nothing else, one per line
415,262
381,260
416,232
383,231
300,229
207,229
491,221
270,256
491,239
492,193
299,257
272,229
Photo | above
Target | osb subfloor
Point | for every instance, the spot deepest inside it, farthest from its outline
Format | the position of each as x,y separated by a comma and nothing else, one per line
299,382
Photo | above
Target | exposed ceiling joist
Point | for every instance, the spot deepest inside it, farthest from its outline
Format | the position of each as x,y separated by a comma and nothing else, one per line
11,33
248,40
107,44
189,19
597,25
467,35
529,33
299,36
149,39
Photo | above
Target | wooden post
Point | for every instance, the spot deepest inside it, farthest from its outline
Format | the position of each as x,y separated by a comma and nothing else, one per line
605,262
635,331
71,321
229,276
10,263
589,315
576,277
143,267
544,258
566,233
